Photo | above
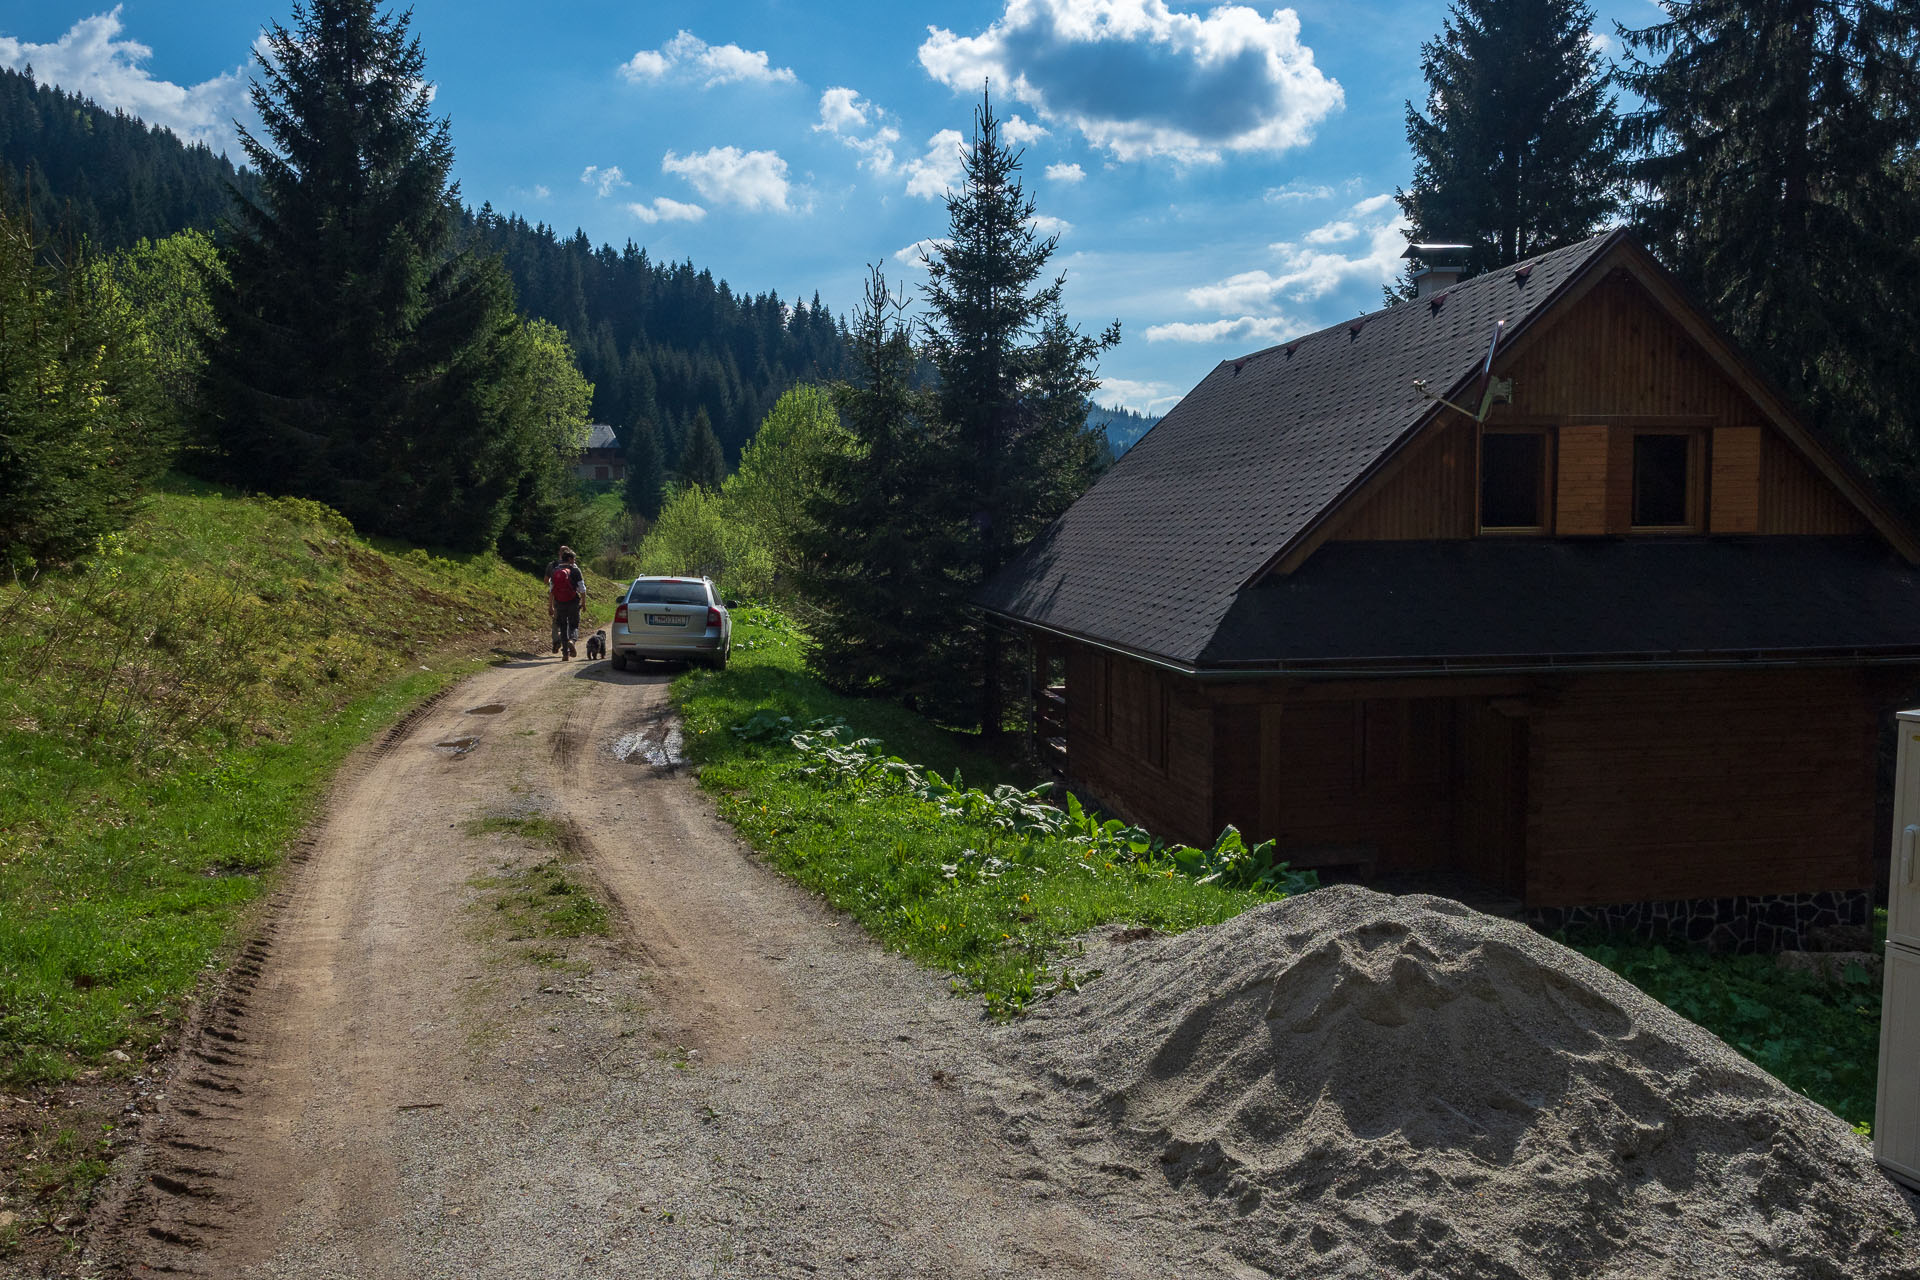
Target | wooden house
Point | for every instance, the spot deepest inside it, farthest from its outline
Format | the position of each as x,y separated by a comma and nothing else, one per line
1617,647
603,459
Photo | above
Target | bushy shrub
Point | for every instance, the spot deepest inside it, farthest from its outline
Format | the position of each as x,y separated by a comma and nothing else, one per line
697,536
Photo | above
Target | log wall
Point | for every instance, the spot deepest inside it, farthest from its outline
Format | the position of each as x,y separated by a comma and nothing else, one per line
1140,742
1701,785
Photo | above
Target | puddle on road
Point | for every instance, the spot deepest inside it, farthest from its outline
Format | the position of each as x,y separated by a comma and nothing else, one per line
457,746
491,709
658,745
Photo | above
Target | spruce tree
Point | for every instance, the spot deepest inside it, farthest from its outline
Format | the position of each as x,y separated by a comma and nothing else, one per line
646,471
1772,170
362,351
1515,153
874,557
82,425
701,460
1014,384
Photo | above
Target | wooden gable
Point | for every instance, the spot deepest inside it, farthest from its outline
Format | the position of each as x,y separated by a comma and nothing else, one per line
1621,354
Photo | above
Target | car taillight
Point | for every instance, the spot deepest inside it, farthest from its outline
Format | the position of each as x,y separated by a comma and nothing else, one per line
620,614
713,616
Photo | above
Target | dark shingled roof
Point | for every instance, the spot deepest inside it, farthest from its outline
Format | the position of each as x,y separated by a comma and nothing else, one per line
601,436
1152,557
1541,601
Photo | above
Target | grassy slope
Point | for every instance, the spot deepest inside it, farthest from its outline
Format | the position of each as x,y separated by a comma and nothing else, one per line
167,716
881,861
920,883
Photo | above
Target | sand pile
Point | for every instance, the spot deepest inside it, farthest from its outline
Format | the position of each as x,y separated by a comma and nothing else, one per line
1352,1084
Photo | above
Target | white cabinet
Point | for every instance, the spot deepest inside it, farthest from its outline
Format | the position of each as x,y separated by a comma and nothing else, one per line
1896,1121
1903,898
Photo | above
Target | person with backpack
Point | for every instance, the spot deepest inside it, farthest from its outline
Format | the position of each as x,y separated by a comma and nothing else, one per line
566,589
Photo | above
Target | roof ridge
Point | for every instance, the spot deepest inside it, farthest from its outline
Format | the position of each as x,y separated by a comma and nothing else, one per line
1367,317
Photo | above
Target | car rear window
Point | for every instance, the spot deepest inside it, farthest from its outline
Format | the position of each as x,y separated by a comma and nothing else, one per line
667,593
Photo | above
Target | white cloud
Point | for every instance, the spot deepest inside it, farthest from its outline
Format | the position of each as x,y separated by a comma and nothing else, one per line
1141,79
1308,273
841,110
603,181
1019,131
1243,329
915,254
1336,232
92,60
538,191
1141,397
932,174
845,115
1065,173
1297,191
665,210
1256,305
688,56
1048,225
728,175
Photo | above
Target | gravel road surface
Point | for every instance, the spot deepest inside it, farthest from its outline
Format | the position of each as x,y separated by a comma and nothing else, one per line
738,1082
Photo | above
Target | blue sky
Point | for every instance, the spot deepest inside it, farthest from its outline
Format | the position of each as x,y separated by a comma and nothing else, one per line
1218,175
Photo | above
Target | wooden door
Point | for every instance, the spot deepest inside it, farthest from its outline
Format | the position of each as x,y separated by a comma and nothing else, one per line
1491,833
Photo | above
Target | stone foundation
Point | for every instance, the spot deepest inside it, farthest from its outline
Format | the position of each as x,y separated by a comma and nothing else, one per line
1760,923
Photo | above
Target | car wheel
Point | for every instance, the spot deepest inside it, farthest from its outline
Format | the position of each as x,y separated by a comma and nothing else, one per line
617,661
719,661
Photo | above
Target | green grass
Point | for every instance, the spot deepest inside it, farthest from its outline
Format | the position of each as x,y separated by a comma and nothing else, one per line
922,883
542,900
884,859
1818,1037
168,715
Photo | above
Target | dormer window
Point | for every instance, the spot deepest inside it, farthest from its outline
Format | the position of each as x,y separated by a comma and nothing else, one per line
1665,469
1514,468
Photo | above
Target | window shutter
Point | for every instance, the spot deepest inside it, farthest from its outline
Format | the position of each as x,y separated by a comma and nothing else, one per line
1581,506
1735,496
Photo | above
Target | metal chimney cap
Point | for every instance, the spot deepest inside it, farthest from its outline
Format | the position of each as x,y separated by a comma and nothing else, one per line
1437,250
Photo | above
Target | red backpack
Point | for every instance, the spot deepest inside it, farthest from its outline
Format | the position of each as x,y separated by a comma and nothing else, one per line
562,584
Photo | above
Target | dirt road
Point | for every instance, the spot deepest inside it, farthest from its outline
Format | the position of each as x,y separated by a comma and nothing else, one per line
736,1083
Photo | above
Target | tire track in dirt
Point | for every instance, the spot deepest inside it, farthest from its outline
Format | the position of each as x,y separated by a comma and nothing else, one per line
380,1091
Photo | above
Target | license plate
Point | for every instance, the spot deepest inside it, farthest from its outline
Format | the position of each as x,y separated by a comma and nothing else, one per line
666,620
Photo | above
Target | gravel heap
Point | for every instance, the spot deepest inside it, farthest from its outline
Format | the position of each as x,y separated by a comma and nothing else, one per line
1354,1084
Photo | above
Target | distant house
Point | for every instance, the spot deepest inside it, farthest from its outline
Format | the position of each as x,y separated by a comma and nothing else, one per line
1619,653
603,458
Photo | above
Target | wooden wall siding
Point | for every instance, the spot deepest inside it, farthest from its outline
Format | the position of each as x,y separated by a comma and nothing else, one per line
1121,725
1614,355
1712,784
1432,495
1617,354
1734,495
1797,499
1580,509
1341,775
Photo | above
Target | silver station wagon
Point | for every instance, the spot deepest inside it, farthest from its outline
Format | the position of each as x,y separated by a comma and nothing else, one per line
676,619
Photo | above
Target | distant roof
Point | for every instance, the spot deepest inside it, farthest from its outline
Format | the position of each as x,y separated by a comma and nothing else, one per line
601,436
1544,601
1152,557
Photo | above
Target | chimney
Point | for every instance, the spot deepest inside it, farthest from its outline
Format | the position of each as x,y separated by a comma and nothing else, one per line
1436,266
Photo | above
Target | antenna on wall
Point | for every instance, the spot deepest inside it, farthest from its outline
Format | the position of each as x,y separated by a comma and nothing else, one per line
1498,389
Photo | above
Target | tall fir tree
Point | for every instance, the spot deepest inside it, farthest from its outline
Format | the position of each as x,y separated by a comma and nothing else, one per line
1515,153
702,461
1015,380
646,470
874,558
361,352
1772,172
